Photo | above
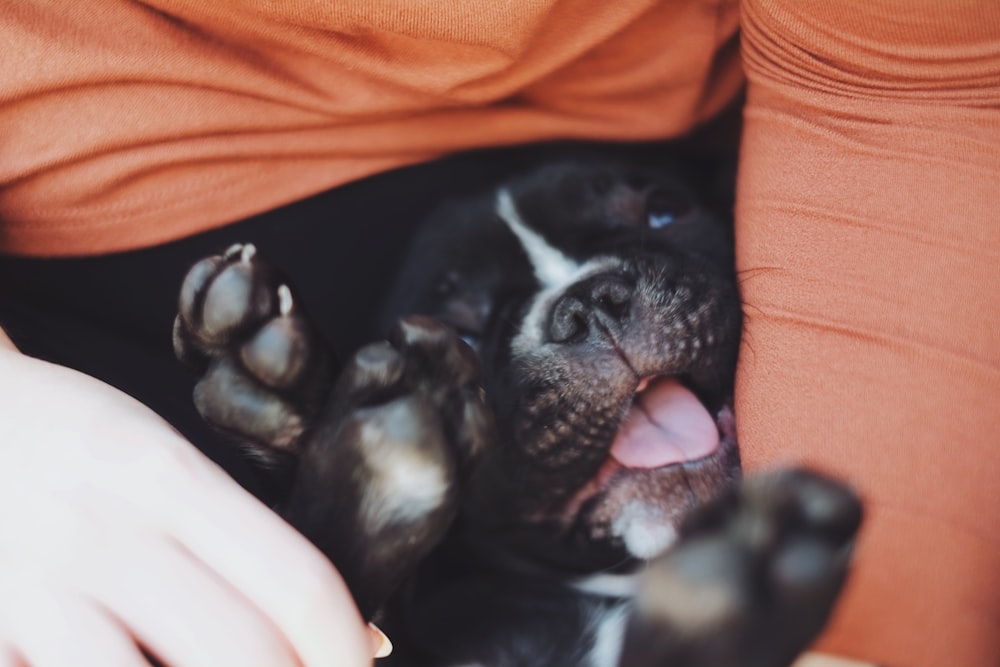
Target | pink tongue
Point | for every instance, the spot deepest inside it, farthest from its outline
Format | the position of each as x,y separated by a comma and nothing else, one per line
667,424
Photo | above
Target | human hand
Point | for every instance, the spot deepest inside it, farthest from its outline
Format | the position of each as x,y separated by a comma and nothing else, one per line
116,533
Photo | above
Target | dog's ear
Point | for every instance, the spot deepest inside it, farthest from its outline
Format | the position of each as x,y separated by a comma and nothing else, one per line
460,262
462,301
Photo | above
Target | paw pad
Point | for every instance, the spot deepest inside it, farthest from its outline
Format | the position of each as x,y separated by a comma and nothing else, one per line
264,369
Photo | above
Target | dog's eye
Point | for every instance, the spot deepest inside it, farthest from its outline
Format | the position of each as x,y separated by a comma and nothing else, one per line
665,206
471,341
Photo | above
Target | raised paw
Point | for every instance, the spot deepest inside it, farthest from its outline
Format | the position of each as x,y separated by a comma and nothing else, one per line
264,370
378,484
752,580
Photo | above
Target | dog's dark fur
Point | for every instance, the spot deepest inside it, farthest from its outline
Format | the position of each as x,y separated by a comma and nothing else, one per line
470,490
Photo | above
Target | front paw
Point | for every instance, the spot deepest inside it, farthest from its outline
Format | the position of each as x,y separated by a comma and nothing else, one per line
753,579
379,480
264,370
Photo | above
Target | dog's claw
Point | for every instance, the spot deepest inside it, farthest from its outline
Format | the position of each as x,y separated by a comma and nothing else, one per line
244,251
285,301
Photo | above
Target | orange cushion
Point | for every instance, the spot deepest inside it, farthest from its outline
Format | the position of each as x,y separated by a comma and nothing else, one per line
868,241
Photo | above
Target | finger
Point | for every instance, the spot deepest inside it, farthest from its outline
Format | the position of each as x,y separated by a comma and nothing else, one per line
10,658
181,611
274,567
52,629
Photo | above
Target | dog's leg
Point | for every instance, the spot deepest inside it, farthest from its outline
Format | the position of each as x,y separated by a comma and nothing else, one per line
372,464
380,475
753,579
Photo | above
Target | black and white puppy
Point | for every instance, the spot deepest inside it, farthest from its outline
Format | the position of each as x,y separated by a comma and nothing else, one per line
538,468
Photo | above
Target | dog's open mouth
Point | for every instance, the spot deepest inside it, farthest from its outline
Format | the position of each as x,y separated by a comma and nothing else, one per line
666,424
670,453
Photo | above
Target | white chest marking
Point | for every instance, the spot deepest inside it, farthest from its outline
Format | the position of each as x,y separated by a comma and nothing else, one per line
610,633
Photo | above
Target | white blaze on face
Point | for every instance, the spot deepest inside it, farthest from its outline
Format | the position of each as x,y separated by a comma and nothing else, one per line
551,266
554,270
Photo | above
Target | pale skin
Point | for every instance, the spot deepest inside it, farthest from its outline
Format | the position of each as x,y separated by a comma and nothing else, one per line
116,532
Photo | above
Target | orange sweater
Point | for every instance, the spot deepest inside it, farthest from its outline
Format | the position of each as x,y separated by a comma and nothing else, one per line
869,249
126,124
868,237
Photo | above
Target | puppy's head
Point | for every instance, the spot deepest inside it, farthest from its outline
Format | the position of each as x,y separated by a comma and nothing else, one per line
602,303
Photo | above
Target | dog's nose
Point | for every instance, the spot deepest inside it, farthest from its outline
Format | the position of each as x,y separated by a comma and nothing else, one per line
595,306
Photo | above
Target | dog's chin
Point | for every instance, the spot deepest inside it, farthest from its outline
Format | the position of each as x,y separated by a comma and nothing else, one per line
639,510
670,455
632,508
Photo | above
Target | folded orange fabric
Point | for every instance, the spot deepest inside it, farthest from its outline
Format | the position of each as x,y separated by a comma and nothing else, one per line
130,123
869,249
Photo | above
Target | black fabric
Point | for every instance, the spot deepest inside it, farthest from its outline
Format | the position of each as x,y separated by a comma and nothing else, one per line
111,316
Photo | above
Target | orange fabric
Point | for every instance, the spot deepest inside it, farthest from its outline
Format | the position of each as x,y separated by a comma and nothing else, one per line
868,238
129,123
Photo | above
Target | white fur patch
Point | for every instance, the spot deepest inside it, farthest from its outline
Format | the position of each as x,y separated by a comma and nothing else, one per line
551,266
531,335
608,585
403,487
610,633
646,529
553,269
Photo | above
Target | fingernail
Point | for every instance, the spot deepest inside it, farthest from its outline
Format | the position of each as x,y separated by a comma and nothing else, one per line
383,646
